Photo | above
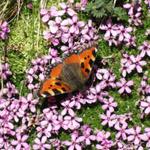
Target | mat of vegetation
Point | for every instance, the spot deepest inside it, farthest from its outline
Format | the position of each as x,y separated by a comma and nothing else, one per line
112,111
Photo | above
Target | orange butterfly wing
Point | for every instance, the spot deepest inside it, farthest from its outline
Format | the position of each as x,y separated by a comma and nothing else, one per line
52,87
87,58
74,58
56,71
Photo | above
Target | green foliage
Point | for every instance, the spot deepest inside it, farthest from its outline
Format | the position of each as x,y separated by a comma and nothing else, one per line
120,13
101,9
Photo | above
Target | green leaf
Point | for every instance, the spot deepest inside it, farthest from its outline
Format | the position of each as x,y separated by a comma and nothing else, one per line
120,13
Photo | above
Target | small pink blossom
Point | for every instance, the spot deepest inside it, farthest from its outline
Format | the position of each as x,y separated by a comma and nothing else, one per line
138,63
124,86
67,108
75,143
109,104
121,131
108,119
145,49
145,105
72,122
41,144
21,142
134,135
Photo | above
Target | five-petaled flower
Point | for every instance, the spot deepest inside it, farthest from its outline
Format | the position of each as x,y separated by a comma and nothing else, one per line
124,86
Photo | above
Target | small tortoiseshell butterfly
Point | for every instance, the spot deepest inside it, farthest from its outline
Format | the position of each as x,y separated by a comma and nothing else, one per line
70,75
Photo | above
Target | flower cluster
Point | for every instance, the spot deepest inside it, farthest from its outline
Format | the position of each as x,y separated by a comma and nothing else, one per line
16,112
65,30
144,103
38,70
134,12
4,30
20,115
117,34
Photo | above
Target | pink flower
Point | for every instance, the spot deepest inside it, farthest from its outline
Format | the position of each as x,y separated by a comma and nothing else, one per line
31,102
73,122
87,136
102,135
124,32
134,135
57,144
96,93
88,29
40,144
77,100
21,142
53,56
81,5
109,104
121,131
4,30
105,143
145,105
144,86
121,120
100,73
147,138
4,71
108,119
138,63
124,86
126,65
54,25
145,49
109,28
67,9
75,25
67,108
75,142
130,41
47,14
134,12
30,5
57,124
108,78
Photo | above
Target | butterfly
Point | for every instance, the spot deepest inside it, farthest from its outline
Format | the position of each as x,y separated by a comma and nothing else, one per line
70,75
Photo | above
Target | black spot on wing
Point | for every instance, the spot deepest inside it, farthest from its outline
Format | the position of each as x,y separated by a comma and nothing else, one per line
64,89
91,62
50,86
94,53
58,83
56,91
82,65
87,70
46,94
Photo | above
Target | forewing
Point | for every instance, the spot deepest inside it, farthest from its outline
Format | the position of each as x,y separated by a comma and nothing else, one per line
87,59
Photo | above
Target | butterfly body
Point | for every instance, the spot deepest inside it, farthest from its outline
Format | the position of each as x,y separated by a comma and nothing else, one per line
70,75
